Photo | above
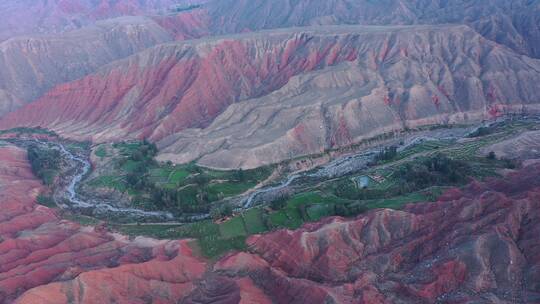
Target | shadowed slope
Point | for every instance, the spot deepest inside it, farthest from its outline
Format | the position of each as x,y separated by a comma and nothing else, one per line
33,65
513,23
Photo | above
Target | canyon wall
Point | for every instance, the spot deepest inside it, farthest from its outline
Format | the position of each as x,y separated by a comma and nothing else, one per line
251,99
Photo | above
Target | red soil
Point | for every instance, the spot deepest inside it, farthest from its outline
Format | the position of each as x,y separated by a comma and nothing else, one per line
38,248
476,243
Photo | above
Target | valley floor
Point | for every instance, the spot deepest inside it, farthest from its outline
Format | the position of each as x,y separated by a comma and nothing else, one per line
475,243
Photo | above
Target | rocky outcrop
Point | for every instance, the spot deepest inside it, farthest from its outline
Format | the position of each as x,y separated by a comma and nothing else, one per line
515,24
478,244
34,64
525,146
223,100
37,248
56,16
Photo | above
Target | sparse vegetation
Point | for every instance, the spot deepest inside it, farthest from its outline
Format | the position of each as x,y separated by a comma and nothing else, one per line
46,200
101,152
481,131
25,130
186,8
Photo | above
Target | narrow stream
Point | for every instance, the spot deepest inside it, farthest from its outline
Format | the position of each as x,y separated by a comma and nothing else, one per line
81,166
339,167
348,164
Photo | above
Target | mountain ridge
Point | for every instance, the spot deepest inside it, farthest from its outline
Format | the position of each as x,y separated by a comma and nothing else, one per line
399,74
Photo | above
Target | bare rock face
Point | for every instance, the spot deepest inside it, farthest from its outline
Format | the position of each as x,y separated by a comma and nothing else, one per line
252,99
473,245
525,146
56,16
215,289
34,64
37,248
515,24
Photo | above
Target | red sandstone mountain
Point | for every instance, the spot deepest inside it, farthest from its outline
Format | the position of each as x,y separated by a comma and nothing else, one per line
42,52
222,99
250,98
515,24
23,17
173,92
479,244
37,248
32,65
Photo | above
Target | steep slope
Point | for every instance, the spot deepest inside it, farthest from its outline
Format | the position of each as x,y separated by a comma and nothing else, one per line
512,23
36,248
515,24
524,146
476,245
54,16
338,84
32,65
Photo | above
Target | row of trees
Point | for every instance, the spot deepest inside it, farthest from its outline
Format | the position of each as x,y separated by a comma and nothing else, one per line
436,170
413,176
388,153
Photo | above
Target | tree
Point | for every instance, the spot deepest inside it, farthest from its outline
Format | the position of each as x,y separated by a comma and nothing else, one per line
491,155
239,175
388,153
279,202
45,163
221,211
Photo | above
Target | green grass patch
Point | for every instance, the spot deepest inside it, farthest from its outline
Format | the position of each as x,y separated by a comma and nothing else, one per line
81,219
286,218
130,166
304,199
319,211
178,176
160,172
46,200
212,244
398,202
233,228
253,221
111,182
127,148
229,188
101,152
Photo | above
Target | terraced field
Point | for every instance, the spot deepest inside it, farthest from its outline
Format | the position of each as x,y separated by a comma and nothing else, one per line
128,169
339,196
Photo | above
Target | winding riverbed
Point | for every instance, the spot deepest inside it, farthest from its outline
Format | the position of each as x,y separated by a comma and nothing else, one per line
77,166
82,167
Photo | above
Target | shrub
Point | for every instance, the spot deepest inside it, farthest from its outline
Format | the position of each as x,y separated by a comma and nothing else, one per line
280,202
45,163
